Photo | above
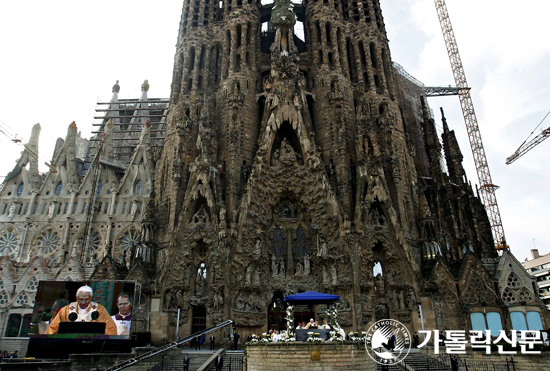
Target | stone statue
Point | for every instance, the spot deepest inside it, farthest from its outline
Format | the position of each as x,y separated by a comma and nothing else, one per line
201,277
401,299
325,276
256,278
395,300
380,284
307,265
282,268
248,275
145,86
258,248
283,20
133,211
11,212
51,210
217,298
381,311
411,299
116,87
274,266
323,250
333,275
299,269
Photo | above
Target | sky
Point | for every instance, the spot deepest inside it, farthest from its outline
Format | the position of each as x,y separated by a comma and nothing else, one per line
59,57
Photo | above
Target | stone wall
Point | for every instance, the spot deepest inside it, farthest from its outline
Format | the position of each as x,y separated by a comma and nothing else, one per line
299,356
524,362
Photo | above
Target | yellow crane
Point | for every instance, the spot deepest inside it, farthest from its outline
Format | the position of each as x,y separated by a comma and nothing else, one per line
487,188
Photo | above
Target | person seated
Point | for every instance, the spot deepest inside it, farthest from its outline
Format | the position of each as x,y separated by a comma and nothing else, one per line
325,325
311,324
299,327
83,310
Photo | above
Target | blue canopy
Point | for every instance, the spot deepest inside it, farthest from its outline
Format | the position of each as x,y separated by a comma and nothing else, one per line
312,297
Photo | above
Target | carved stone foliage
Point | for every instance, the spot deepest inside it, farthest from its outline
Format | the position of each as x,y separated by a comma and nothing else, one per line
249,309
478,286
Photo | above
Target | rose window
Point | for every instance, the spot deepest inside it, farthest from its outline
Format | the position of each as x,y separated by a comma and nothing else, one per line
22,299
513,281
525,295
92,247
8,245
49,244
127,243
477,283
4,299
508,296
470,297
485,296
32,285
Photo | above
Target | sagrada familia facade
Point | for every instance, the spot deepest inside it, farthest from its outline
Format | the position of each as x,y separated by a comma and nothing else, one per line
283,162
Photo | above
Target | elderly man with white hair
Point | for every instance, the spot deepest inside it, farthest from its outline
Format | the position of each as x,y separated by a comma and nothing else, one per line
83,310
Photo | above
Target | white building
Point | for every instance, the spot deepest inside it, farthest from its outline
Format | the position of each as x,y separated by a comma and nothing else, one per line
539,267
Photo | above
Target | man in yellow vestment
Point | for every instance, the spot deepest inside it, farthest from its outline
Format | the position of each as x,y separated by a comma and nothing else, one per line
83,310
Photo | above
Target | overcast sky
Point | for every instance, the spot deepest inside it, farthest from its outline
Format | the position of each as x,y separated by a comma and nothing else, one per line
59,57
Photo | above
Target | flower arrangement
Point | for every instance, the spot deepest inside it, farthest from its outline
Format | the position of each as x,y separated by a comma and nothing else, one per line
266,338
287,337
335,336
354,336
314,337
255,338
332,316
289,319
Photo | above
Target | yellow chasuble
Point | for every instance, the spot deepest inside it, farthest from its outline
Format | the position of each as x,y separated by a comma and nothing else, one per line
63,316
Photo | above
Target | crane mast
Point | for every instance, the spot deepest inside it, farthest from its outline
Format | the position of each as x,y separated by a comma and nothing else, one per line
487,188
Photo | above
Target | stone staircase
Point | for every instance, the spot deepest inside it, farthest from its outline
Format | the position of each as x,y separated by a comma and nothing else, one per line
232,361
175,362
416,361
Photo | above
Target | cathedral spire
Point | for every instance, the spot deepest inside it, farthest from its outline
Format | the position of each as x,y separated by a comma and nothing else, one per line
453,155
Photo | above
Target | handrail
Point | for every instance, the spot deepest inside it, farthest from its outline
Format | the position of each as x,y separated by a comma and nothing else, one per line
167,347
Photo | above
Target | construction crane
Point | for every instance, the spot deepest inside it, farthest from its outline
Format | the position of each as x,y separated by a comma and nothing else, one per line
487,188
527,146
15,138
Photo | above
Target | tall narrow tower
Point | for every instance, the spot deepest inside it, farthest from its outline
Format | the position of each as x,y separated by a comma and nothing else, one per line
288,166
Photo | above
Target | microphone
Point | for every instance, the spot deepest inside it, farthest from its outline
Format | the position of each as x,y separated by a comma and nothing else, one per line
95,315
73,316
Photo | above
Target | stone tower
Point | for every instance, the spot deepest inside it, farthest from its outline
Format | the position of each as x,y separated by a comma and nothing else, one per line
298,161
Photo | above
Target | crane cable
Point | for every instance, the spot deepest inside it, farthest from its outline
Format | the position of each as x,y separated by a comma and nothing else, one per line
540,123
13,136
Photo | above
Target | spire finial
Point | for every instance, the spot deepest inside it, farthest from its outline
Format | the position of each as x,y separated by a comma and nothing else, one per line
145,86
445,126
116,87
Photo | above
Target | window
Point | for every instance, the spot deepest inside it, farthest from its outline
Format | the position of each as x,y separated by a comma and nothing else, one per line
98,187
58,188
478,321
484,321
518,321
137,188
17,325
20,189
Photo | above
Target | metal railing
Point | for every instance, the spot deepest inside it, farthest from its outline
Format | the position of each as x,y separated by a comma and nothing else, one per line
165,348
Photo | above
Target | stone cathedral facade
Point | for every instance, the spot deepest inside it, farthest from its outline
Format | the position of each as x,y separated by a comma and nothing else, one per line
294,157
302,162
